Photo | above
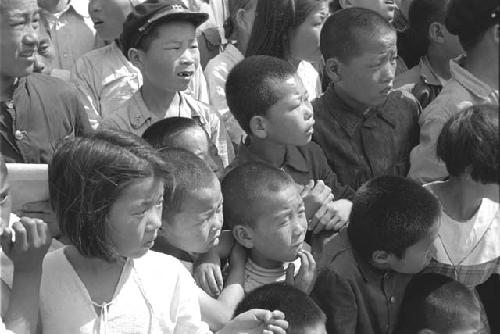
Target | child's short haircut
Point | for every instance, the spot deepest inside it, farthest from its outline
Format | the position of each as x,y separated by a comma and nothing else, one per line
300,310
246,186
438,303
394,212
469,139
421,15
469,19
190,174
250,86
87,175
345,32
164,133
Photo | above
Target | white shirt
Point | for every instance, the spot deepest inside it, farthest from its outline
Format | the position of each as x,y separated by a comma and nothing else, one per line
256,276
310,78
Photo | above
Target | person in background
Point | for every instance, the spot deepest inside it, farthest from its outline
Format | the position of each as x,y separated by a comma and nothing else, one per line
238,29
435,47
46,52
474,80
104,77
71,32
290,31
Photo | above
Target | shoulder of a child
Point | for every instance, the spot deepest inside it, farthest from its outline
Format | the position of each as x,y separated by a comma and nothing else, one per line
337,256
409,77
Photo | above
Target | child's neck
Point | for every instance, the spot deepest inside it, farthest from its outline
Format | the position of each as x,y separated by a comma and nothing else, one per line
158,101
357,106
269,151
91,265
483,64
439,63
264,262
462,197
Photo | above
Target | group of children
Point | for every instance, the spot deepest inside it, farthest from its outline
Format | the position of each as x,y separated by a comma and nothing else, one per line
270,207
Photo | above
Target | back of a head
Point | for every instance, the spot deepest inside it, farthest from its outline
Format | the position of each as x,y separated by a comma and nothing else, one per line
246,186
469,19
469,142
164,132
347,30
190,174
438,303
250,86
421,15
87,175
395,212
299,309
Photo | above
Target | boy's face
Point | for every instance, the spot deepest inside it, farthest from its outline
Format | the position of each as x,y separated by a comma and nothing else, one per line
108,17
196,228
5,203
368,78
195,140
290,120
386,8
417,256
172,58
280,228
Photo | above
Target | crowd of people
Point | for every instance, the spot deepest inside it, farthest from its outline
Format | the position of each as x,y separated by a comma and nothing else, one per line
251,166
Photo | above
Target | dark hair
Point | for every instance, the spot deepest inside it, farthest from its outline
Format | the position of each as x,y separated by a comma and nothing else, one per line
87,175
245,186
469,19
190,174
470,139
163,133
345,32
421,15
395,212
438,303
300,310
273,21
251,86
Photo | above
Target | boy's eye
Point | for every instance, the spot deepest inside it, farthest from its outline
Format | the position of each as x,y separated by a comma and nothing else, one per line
3,197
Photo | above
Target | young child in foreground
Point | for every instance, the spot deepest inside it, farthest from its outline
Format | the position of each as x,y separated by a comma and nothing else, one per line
304,316
365,269
25,241
435,304
107,191
270,103
365,128
266,213
184,133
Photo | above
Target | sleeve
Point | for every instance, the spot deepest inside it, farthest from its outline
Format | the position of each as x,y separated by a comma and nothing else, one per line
336,298
82,77
220,138
108,123
188,309
82,124
198,86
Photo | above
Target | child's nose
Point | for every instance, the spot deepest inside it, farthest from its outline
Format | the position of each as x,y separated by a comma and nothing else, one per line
388,72
154,219
308,110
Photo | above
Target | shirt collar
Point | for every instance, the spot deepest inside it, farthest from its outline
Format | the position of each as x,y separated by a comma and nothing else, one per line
293,157
427,73
469,81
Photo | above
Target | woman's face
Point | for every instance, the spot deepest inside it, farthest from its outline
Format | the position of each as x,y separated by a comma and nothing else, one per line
304,39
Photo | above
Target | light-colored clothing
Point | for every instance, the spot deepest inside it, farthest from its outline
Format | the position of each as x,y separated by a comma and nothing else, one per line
134,116
310,78
155,294
2,328
72,34
105,79
256,276
461,91
216,74
473,246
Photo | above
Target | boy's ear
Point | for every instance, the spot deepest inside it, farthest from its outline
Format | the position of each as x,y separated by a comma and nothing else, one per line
241,20
345,4
135,57
332,66
258,127
436,32
381,257
244,235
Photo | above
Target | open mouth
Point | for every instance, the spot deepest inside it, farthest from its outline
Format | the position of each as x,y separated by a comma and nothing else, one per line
97,23
185,74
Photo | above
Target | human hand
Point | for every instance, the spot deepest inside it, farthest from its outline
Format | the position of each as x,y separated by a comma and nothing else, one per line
257,321
32,241
42,210
207,273
305,278
331,216
314,194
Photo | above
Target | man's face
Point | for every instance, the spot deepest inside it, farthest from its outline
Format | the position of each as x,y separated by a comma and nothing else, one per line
19,28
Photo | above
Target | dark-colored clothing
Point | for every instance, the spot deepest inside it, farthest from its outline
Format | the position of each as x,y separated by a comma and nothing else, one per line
43,111
355,296
303,164
362,144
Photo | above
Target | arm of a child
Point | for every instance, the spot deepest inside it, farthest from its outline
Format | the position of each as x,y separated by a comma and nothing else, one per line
218,312
207,269
336,298
27,253
257,321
